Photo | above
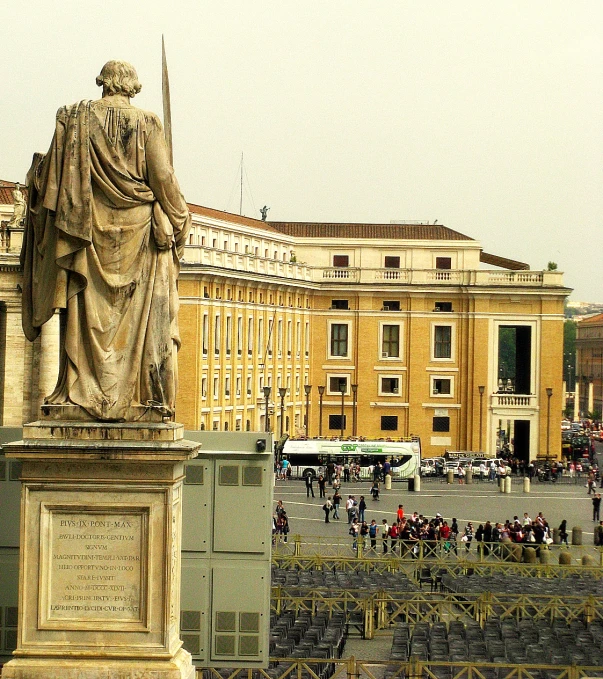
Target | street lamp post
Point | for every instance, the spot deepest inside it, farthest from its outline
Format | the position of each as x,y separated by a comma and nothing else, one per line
282,391
308,390
549,393
342,389
321,392
355,394
267,391
482,389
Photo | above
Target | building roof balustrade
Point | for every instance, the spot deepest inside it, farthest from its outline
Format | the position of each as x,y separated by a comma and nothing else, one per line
245,262
242,262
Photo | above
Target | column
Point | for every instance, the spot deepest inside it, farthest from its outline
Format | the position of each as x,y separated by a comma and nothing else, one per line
13,367
591,397
577,400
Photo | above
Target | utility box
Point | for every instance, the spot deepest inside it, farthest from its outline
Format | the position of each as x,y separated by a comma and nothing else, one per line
226,548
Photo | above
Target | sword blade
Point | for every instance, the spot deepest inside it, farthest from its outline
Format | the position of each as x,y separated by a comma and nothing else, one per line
167,108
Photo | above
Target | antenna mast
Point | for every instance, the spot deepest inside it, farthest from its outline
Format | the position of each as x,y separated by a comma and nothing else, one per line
241,198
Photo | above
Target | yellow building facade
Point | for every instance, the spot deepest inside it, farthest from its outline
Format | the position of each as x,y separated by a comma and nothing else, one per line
399,325
372,330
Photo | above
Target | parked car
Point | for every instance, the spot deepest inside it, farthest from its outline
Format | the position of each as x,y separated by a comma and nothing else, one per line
432,466
475,464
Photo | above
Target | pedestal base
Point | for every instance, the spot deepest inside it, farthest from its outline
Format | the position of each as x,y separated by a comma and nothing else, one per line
99,583
180,667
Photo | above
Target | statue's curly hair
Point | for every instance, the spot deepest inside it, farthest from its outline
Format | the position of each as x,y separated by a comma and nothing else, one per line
119,77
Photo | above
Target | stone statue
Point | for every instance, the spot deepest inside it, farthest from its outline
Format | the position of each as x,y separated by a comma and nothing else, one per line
19,211
264,212
105,230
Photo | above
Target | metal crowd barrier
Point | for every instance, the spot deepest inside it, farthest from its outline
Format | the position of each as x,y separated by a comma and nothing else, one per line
376,613
434,552
351,668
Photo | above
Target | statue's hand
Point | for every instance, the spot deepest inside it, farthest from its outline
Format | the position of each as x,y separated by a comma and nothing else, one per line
162,228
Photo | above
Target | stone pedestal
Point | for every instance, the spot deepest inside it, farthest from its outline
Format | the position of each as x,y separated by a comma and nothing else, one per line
99,583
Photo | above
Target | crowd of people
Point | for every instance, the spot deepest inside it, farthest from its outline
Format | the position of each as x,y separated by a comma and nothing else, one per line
406,531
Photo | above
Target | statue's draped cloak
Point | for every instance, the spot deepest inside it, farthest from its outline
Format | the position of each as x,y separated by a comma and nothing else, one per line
104,208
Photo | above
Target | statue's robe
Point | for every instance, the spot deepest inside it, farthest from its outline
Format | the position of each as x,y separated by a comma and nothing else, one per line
105,229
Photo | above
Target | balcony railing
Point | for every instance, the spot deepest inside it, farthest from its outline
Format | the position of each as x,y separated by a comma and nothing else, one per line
243,262
514,401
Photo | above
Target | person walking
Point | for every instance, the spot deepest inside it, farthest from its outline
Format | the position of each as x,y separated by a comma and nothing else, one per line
384,534
309,486
563,533
468,536
322,486
349,507
327,507
361,508
596,506
336,503
373,535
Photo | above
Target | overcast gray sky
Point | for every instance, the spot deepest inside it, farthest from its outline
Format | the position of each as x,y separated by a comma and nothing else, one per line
483,115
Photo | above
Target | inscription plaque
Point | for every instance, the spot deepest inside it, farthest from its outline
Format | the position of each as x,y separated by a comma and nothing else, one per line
94,567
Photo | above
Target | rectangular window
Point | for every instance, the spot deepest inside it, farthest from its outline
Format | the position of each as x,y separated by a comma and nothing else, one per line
341,260
391,305
336,384
443,263
238,385
228,335
442,386
205,340
297,338
280,337
250,336
204,387
443,306
390,344
340,304
441,424
390,385
289,337
442,344
227,386
389,423
217,335
240,335
260,336
307,339
216,382
335,422
249,386
270,341
339,339
392,262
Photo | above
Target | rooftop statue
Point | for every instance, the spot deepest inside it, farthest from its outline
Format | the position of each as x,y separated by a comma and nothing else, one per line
19,204
105,230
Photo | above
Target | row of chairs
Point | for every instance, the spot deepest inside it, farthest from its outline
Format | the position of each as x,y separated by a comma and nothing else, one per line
507,641
515,584
338,580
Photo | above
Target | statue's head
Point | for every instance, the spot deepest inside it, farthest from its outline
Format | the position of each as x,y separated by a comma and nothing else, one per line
119,77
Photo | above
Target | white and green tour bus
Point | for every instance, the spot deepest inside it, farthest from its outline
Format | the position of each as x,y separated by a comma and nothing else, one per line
311,456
